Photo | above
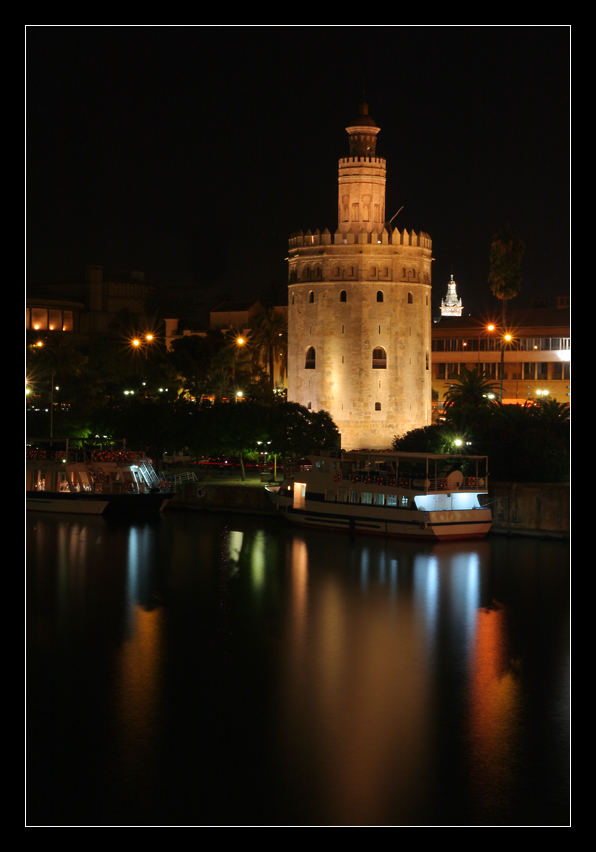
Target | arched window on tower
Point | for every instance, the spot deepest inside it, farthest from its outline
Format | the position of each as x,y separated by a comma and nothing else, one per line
379,359
311,296
379,295
306,273
343,296
311,358
410,299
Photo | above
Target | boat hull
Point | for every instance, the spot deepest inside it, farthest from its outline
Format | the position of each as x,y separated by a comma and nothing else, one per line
393,523
97,504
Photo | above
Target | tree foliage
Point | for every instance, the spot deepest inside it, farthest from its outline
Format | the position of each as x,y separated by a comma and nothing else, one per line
270,340
523,443
470,388
506,253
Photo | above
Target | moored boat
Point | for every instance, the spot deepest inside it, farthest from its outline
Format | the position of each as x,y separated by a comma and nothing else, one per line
92,482
408,495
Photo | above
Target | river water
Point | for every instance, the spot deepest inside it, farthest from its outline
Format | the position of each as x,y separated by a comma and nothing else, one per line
219,669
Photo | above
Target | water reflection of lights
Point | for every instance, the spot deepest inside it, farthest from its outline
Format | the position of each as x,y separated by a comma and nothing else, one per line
235,539
364,567
426,587
258,561
253,549
453,572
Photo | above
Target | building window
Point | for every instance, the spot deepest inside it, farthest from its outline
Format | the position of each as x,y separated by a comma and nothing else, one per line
529,370
55,320
542,371
311,296
39,319
377,406
379,296
561,370
440,371
310,362
379,359
343,296
410,299
427,361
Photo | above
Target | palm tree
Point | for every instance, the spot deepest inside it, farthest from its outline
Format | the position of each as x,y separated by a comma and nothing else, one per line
506,252
553,410
270,340
470,388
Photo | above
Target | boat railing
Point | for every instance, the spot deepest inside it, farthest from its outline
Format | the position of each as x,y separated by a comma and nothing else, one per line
179,479
413,483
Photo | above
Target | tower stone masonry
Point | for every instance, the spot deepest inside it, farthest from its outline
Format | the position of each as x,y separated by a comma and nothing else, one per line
359,309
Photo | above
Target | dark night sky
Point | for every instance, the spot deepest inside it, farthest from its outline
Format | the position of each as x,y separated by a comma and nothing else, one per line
192,153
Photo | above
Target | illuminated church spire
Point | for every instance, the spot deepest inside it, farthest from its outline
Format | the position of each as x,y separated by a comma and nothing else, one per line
451,306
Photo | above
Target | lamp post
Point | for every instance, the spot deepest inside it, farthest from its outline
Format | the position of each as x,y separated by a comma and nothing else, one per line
502,367
489,328
239,341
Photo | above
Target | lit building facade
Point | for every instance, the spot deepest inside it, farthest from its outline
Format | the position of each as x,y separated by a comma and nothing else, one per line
536,357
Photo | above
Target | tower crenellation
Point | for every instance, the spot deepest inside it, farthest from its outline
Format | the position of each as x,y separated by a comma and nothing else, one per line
359,315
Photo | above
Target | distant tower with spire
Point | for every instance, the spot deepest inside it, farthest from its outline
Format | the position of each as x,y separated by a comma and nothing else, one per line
451,306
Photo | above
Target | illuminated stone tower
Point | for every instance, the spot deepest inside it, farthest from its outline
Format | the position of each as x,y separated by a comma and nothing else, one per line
359,310
451,306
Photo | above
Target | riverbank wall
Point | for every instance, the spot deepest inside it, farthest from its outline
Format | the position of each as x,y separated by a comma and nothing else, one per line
524,508
530,508
227,496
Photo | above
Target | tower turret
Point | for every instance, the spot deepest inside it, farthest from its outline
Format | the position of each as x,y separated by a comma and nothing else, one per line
362,177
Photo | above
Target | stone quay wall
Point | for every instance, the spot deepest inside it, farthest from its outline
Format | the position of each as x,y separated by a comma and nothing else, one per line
528,509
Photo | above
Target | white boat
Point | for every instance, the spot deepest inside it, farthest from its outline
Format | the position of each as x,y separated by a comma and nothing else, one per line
92,482
409,495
